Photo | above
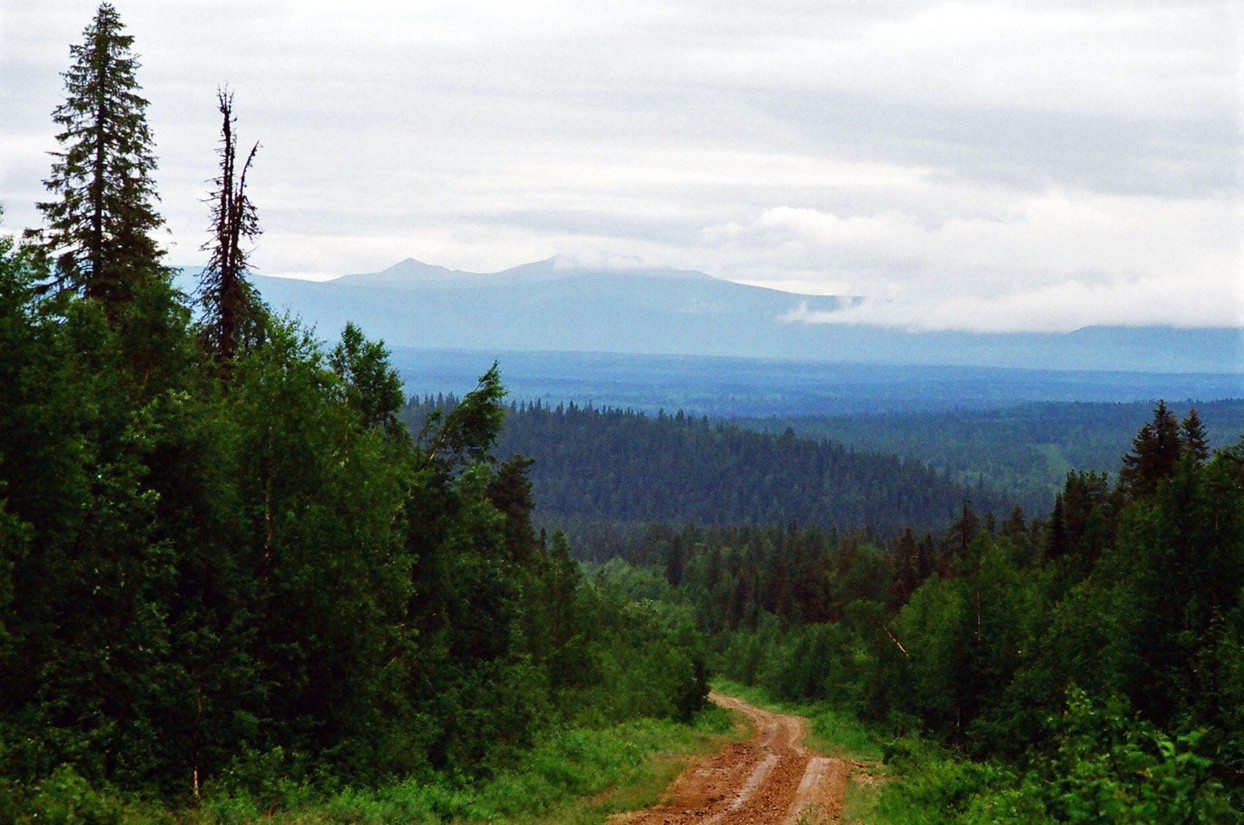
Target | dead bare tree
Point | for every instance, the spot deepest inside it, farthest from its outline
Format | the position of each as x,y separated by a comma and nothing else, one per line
233,316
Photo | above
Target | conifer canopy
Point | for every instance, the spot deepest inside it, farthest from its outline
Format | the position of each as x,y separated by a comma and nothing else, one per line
100,220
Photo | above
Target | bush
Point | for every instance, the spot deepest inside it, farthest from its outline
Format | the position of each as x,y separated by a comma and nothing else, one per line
65,797
1111,768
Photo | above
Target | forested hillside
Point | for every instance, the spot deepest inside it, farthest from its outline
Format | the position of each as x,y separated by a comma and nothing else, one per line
1091,660
1025,450
619,467
229,577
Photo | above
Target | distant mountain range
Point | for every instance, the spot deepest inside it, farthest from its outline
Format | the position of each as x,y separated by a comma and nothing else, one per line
561,306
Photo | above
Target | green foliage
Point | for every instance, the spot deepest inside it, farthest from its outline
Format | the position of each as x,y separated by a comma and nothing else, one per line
1155,452
1104,767
571,775
932,785
99,229
249,589
468,431
1134,594
245,587
1025,450
615,466
372,387
1108,768
648,657
254,590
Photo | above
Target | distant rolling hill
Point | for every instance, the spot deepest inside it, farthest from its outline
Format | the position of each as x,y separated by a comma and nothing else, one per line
596,466
554,306
546,306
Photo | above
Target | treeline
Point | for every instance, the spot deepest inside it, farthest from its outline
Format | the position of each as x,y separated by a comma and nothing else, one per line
596,469
1025,451
1099,649
737,578
225,567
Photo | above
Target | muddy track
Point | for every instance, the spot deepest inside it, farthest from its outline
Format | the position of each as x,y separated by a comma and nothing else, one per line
771,779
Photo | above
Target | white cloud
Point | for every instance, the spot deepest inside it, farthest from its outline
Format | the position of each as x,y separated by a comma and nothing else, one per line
1059,262
1063,306
1019,163
599,260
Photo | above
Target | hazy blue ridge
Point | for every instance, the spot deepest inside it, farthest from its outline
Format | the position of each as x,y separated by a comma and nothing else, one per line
665,339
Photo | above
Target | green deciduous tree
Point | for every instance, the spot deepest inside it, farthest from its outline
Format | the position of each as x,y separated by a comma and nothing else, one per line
1109,768
372,387
468,432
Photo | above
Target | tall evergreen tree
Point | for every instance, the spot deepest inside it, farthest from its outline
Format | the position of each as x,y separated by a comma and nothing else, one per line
1155,454
959,537
1195,440
99,226
232,309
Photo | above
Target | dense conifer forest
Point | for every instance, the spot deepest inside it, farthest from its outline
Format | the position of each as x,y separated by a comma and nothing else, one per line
595,469
1024,451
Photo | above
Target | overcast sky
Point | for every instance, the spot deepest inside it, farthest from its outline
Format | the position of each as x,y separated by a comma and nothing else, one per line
990,166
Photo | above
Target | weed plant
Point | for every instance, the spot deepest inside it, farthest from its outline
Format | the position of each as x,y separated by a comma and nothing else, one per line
576,776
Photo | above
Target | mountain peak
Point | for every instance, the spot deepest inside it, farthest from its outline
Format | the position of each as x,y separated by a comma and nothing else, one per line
411,273
411,263
408,273
563,304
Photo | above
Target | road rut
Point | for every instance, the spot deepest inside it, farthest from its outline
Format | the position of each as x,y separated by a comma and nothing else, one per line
770,779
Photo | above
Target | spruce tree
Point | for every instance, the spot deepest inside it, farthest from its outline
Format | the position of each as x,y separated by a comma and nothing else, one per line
99,225
1195,440
1154,456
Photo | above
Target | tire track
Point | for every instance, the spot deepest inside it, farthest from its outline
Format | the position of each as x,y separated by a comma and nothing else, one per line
771,779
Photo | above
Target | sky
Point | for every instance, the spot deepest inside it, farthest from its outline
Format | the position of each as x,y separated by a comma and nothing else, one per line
990,166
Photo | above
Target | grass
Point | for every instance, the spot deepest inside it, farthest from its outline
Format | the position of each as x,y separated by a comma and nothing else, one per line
577,776
580,776
830,731
656,754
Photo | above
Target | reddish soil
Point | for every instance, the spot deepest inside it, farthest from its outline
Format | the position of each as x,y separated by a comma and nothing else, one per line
770,779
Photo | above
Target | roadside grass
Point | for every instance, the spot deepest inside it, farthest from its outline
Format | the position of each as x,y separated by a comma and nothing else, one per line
641,760
580,776
831,732
935,785
577,776
910,780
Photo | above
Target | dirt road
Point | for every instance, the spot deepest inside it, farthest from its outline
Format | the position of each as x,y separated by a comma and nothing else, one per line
770,779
